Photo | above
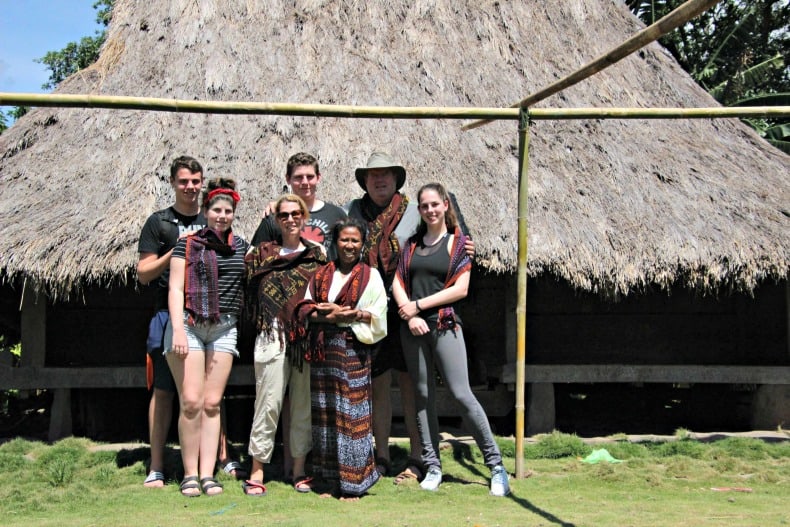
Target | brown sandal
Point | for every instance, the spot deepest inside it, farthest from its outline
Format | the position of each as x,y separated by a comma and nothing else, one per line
412,473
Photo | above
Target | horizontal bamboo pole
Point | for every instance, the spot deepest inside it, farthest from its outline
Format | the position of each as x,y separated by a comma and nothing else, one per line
239,107
672,20
395,112
715,112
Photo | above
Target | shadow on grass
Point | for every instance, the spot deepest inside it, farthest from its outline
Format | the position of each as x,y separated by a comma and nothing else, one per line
462,453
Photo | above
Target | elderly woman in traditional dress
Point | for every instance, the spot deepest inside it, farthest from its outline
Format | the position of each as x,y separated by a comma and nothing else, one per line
204,299
433,274
345,311
277,279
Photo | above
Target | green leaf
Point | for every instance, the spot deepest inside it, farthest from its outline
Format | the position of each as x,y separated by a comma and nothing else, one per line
765,99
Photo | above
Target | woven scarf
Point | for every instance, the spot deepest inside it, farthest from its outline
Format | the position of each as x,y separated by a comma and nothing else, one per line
460,262
381,248
276,284
201,278
310,344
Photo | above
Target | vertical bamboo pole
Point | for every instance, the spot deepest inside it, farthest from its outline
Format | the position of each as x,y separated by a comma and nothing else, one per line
521,300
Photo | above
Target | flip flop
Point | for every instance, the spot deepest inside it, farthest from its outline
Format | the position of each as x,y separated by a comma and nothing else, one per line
153,477
302,484
233,468
253,484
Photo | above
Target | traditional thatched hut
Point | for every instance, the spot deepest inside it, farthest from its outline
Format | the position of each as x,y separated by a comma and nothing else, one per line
617,208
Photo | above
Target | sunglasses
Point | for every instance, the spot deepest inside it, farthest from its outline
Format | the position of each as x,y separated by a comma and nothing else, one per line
285,215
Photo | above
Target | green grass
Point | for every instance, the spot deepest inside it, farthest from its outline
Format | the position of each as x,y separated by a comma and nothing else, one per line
72,483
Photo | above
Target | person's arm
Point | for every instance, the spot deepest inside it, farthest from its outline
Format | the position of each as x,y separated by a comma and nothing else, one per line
175,303
265,232
150,266
399,294
449,295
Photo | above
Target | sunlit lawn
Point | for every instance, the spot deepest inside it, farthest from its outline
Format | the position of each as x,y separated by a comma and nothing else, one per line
72,483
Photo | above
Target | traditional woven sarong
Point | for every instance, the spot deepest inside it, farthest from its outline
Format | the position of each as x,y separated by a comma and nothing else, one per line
341,391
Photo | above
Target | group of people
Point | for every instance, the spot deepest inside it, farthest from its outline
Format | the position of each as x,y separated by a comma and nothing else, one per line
339,297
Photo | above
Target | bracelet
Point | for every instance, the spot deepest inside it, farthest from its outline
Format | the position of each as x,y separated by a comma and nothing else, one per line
417,305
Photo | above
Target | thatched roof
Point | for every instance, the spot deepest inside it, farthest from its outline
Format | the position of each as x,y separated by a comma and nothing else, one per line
614,205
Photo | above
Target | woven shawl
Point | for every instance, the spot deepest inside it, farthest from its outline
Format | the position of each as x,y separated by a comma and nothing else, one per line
460,262
310,343
201,278
382,248
276,284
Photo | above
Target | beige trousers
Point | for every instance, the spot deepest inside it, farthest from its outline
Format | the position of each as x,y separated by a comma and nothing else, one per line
273,373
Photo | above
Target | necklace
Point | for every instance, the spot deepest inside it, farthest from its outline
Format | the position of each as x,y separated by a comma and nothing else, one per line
434,242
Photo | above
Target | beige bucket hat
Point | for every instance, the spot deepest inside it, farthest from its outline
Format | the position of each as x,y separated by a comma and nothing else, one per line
381,160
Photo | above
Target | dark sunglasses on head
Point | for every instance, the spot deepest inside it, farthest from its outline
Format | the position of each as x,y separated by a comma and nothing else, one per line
285,215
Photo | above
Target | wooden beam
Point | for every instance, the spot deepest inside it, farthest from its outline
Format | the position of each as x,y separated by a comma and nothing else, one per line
32,378
615,373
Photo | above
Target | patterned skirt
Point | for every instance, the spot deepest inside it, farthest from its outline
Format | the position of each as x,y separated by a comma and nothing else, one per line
342,415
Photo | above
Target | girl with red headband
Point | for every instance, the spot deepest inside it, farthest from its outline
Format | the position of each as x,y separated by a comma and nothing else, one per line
205,300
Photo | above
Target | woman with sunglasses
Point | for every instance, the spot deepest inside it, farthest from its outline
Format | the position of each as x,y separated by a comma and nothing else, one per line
433,274
277,277
205,298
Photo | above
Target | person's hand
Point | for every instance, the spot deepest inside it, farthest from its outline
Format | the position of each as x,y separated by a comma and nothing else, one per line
269,210
180,347
345,315
408,310
418,326
325,308
469,247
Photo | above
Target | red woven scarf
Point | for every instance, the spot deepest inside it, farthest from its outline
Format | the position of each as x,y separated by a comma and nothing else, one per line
460,262
310,344
381,248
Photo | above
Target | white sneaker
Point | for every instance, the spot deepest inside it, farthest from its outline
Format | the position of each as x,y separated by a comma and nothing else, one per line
432,479
500,486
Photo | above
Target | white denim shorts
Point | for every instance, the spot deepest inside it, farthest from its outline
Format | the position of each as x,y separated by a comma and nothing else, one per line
221,336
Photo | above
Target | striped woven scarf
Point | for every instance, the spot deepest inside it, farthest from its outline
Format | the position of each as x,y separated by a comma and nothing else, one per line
201,279
460,262
310,344
381,248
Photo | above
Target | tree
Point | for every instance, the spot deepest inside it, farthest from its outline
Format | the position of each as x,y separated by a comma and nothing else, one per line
77,55
738,50
72,58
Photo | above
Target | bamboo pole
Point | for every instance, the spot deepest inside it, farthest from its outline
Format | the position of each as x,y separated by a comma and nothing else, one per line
521,298
672,20
241,107
396,112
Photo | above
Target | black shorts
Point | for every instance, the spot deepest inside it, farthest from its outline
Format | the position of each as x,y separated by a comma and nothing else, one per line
163,379
390,354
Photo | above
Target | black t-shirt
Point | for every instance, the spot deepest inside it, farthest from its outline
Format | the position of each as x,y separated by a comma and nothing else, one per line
160,234
317,229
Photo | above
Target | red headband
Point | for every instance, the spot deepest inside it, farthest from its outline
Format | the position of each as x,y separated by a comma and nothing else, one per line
230,192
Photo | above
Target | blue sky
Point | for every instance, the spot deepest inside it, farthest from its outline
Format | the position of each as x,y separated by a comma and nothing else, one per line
30,28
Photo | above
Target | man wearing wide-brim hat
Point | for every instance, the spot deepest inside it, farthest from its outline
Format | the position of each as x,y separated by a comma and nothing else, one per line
391,220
